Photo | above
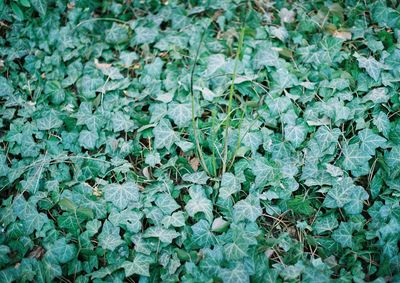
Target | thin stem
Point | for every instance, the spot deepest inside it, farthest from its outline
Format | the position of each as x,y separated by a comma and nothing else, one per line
102,19
231,92
194,122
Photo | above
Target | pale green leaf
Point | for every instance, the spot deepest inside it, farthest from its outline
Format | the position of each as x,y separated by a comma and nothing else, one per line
109,237
164,135
166,203
248,208
121,195
88,139
139,266
229,185
196,178
344,234
180,113
199,203
370,141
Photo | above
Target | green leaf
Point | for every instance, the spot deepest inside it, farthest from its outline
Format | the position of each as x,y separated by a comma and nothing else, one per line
344,234
377,95
117,34
139,266
252,140
265,57
177,219
238,274
248,208
180,113
202,235
61,251
296,134
372,66
354,156
31,218
122,195
325,136
122,122
109,237
215,62
164,135
355,205
235,250
6,88
382,123
325,224
265,171
166,203
199,203
48,121
283,79
88,139
196,178
164,235
40,6
229,185
127,219
370,141
340,194
152,159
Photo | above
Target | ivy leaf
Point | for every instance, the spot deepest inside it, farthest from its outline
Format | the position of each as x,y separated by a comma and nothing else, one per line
370,141
6,87
196,178
284,79
355,205
48,121
215,62
296,134
265,171
340,194
4,169
372,66
109,237
180,113
202,235
165,235
88,86
177,219
164,135
166,203
252,140
122,195
377,95
31,218
121,122
229,185
325,224
344,234
238,274
88,139
236,250
325,136
354,157
265,57
127,219
248,208
118,34
382,123
199,203
61,251
152,159
139,266
40,6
